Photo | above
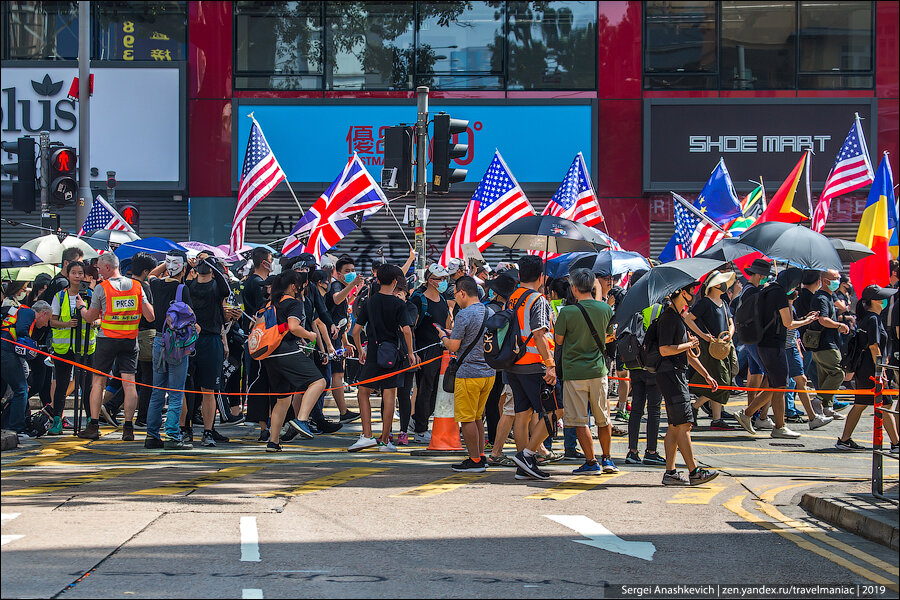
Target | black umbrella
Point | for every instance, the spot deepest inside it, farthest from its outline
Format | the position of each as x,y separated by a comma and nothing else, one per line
548,234
851,251
661,281
794,244
728,250
611,262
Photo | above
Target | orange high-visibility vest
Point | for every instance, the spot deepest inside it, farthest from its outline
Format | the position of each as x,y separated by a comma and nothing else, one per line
532,356
9,323
122,313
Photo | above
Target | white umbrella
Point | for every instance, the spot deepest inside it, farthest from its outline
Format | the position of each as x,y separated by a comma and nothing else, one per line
108,237
50,249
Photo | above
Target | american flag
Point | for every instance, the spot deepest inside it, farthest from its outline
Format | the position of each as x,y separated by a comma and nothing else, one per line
351,199
260,175
575,198
104,216
692,234
852,170
497,202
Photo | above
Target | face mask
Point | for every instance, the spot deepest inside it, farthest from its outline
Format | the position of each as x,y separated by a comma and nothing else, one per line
203,269
789,291
834,285
21,296
174,265
764,280
724,287
349,277
442,287
490,294
884,304
276,269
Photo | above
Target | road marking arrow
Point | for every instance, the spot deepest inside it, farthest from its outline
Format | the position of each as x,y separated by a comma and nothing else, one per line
603,538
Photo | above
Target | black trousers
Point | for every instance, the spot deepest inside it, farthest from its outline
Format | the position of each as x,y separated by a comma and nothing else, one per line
144,375
644,392
492,410
40,379
63,372
426,385
258,407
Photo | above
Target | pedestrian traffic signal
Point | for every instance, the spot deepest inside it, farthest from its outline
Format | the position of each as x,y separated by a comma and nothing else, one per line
24,170
397,173
132,216
63,187
444,150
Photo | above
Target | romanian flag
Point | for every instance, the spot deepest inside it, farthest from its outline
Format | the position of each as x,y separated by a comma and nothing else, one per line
787,205
874,231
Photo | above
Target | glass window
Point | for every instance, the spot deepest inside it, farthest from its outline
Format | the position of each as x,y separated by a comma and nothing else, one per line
552,45
835,36
278,45
680,37
758,45
369,45
153,31
461,45
41,30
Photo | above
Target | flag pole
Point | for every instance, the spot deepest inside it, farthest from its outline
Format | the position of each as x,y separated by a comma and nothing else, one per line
290,189
697,213
390,210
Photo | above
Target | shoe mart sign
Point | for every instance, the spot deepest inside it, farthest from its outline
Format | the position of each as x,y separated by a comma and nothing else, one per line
137,118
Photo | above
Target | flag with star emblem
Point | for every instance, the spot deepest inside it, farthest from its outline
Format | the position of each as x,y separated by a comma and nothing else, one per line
852,170
104,216
693,235
497,202
350,199
260,175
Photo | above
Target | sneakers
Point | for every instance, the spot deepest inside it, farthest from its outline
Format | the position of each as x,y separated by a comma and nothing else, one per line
766,424
720,425
127,431
187,434
820,421
469,466
288,433
784,433
389,447
138,424
839,405
362,443
108,417
589,466
91,431
302,428
56,428
608,465
348,417
529,465
422,438
328,426
499,461
263,436
273,447
621,415
176,445
230,420
745,421
632,458
153,443
847,445
895,448
676,478
23,437
403,439
313,428
522,474
654,459
700,476
208,440
834,415
572,455
796,419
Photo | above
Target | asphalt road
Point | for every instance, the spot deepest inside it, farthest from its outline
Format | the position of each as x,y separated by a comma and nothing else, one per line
110,519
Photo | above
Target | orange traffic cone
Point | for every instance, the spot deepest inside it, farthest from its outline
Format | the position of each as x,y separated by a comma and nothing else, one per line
444,428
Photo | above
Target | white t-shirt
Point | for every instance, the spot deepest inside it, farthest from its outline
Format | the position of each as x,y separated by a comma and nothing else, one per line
57,310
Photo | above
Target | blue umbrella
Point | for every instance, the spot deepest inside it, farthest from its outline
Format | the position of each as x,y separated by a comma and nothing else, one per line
153,245
559,265
17,257
612,262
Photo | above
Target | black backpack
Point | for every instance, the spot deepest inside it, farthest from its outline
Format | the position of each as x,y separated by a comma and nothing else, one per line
650,358
630,340
856,349
748,322
503,343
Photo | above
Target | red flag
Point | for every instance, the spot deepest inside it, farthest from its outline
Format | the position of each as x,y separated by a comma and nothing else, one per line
786,205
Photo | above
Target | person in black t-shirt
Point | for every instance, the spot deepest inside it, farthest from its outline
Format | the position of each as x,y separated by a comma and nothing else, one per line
678,349
254,298
827,355
337,300
873,301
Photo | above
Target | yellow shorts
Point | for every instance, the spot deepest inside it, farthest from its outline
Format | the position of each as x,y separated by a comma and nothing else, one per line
579,395
469,397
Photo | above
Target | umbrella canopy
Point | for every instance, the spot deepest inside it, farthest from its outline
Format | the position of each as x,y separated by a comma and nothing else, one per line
548,234
661,281
29,273
727,249
201,247
559,266
17,257
851,251
611,262
112,236
794,244
50,249
153,245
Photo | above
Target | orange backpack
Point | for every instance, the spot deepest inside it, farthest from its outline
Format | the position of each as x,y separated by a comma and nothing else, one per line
266,334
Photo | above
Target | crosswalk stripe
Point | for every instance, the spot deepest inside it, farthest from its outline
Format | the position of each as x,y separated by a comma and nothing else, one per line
70,482
194,483
327,481
445,484
573,487
11,472
698,495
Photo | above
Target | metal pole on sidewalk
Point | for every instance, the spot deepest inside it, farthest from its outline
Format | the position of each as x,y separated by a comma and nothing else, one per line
83,204
421,168
44,148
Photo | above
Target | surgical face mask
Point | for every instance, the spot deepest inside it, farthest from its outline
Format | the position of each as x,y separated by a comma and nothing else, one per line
21,295
884,304
174,265
275,269
349,277
765,279
442,287
833,285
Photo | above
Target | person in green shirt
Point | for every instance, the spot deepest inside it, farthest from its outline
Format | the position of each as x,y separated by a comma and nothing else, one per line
580,331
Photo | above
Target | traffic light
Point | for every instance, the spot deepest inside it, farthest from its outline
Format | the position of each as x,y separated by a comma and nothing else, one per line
397,174
63,187
24,169
131,215
444,150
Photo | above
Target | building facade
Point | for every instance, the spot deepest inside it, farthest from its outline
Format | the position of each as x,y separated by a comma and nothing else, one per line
652,93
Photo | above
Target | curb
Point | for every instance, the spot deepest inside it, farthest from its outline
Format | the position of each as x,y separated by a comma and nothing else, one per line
9,440
846,513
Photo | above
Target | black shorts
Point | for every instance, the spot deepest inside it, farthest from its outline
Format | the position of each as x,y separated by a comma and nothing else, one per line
775,364
864,383
208,358
119,352
290,374
371,370
673,385
526,389
337,366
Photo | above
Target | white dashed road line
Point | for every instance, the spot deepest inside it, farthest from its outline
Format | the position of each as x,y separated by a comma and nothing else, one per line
249,542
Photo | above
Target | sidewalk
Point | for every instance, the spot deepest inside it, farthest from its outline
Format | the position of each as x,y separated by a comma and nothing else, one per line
857,511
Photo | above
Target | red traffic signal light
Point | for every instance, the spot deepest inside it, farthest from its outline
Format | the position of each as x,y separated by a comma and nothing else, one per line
63,188
131,215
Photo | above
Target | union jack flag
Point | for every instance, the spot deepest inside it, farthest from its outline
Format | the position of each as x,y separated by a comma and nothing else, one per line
852,170
497,202
351,199
260,175
692,234
104,216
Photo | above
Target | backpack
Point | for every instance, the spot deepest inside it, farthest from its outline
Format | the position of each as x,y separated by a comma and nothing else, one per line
179,333
265,333
856,349
748,322
503,343
649,357
630,341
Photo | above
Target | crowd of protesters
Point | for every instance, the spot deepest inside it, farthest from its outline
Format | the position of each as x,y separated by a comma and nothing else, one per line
167,345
